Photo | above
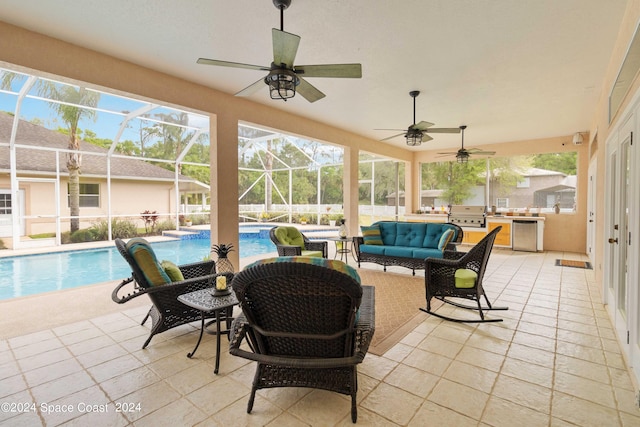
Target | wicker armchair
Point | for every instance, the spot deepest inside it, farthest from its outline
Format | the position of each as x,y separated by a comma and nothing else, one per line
459,275
306,325
305,247
166,312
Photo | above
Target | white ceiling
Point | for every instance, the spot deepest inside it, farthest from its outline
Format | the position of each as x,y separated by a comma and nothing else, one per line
508,69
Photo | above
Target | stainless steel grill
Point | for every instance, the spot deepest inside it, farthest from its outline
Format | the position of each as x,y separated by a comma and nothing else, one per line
468,216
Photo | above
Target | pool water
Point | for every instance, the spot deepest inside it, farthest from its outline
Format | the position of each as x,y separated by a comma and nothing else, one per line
34,274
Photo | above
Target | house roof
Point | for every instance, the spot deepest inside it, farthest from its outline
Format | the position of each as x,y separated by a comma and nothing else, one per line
42,162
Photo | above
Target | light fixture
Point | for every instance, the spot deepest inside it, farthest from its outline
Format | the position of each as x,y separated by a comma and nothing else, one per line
282,83
462,158
414,137
577,138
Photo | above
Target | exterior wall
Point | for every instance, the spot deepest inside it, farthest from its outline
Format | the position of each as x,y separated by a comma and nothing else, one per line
129,198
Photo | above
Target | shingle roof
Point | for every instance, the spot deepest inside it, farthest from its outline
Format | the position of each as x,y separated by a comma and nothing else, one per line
40,161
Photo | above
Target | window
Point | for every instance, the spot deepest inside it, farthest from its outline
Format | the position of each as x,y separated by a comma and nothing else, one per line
502,203
89,195
525,183
5,204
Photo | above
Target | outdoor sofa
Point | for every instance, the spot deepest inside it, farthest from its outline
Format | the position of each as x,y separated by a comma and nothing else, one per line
405,244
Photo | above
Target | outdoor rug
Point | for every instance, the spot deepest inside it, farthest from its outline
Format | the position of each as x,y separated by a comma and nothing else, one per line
398,301
572,263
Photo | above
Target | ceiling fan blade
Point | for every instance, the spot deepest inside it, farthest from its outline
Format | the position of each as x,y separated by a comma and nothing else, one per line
206,61
285,47
421,126
353,71
308,91
391,137
252,88
448,153
426,138
476,151
404,130
443,130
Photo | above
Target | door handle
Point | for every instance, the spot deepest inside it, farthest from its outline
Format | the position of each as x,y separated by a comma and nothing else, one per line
612,240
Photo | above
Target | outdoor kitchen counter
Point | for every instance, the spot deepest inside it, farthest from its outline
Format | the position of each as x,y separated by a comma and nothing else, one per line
504,239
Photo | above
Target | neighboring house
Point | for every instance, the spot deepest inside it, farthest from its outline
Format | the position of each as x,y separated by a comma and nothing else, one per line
136,185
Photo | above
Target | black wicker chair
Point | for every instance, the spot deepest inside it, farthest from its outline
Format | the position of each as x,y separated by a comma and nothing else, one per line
166,312
306,326
294,250
440,279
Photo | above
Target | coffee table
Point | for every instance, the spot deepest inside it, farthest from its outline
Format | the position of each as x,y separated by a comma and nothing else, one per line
222,306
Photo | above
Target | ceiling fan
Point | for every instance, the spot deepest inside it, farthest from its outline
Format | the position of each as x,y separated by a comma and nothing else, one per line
417,133
462,155
284,78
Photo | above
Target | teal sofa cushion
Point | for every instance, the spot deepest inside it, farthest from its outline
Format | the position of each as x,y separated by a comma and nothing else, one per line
410,234
399,251
387,232
372,249
425,253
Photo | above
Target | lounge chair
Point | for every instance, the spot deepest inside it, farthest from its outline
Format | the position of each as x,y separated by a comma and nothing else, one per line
291,242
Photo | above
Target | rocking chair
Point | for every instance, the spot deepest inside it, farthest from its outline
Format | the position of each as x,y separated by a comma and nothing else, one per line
459,275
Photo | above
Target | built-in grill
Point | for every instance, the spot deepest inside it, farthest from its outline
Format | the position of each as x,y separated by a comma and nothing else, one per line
468,216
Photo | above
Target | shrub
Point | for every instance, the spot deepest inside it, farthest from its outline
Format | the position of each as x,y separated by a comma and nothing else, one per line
121,228
167,224
83,235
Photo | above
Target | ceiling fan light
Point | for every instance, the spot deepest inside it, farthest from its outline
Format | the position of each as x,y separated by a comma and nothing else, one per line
282,84
462,159
414,138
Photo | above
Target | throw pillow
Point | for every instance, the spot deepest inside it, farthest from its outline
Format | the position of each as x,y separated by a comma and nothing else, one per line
371,235
172,271
143,255
445,239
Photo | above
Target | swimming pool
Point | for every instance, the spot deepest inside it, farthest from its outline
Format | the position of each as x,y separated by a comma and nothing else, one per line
34,274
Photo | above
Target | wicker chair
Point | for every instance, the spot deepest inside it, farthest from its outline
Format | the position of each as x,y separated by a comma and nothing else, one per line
459,275
297,250
306,325
166,312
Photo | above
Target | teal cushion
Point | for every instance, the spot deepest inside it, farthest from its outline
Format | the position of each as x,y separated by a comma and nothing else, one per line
371,234
140,250
372,249
424,253
172,270
410,234
289,236
387,232
333,264
399,251
465,278
445,239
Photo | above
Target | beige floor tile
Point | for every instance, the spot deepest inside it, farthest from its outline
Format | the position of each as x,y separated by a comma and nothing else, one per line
523,393
61,387
532,355
443,417
178,413
535,341
584,388
12,385
377,367
428,362
481,358
441,346
503,413
582,412
287,420
101,355
129,382
37,348
529,372
51,372
412,380
472,376
392,403
595,355
583,368
218,394
460,398
114,367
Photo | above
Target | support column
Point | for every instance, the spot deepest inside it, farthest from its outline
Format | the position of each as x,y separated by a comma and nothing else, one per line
351,184
224,183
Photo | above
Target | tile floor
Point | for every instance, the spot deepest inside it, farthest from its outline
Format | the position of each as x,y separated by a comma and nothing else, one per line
554,361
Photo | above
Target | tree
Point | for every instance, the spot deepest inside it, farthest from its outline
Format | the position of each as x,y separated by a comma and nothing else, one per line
560,162
69,103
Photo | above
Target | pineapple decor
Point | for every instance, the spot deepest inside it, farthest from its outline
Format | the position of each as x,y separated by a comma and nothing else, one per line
223,264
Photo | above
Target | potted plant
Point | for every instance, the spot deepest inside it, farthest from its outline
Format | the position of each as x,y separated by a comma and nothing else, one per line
188,222
223,265
263,217
303,220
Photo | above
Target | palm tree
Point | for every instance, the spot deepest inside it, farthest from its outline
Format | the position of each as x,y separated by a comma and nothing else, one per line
69,103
